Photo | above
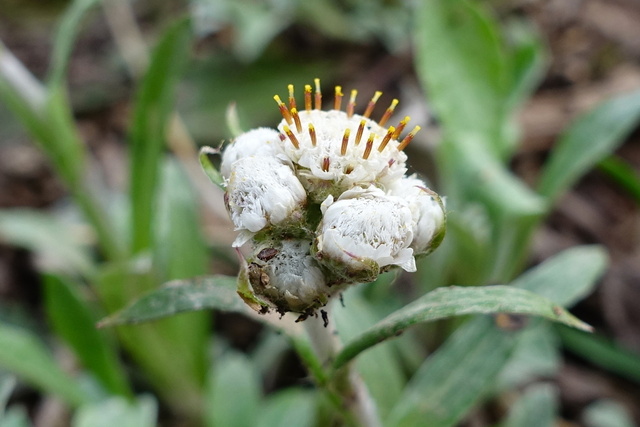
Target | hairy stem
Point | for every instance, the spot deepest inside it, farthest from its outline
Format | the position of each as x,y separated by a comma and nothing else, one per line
346,384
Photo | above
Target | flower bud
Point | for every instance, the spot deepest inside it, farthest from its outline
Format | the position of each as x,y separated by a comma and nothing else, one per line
427,211
364,231
285,274
261,142
262,191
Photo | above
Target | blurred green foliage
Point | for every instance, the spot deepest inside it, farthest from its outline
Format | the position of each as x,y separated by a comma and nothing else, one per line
475,72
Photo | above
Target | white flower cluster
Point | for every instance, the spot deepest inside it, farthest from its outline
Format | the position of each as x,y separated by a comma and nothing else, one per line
325,202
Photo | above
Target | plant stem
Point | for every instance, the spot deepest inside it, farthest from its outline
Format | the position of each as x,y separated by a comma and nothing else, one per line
346,384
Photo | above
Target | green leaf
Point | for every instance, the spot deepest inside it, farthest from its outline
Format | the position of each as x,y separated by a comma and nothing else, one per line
7,384
461,62
483,178
568,277
16,417
152,114
206,293
291,407
467,366
536,355
591,138
625,175
181,251
603,353
48,237
454,377
234,395
536,408
457,301
607,413
22,352
74,321
65,39
212,173
118,411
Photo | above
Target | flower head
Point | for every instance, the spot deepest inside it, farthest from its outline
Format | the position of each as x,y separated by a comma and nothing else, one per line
262,191
325,202
364,231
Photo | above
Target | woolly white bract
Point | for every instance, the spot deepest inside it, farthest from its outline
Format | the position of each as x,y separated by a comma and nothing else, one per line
325,202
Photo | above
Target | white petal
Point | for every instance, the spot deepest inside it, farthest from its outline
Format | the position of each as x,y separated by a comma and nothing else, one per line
262,142
262,191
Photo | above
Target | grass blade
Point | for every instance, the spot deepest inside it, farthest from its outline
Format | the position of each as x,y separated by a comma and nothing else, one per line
65,38
151,117
74,322
603,353
625,175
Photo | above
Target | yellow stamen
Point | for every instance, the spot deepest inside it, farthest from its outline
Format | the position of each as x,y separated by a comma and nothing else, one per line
296,118
386,138
372,104
388,113
407,139
283,109
312,134
337,103
291,136
345,141
367,149
400,127
292,98
318,94
360,130
352,103
307,97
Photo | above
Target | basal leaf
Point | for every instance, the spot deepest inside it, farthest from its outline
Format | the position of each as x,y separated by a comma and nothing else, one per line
458,301
591,138
177,296
22,353
74,321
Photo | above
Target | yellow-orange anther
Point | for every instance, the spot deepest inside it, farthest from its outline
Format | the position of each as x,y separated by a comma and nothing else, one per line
388,113
307,97
318,94
296,119
352,103
400,127
312,134
337,103
386,138
291,136
371,105
407,139
283,109
360,130
367,149
325,164
345,141
292,98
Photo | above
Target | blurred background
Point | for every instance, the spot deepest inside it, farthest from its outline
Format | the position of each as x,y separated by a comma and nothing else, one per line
241,53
